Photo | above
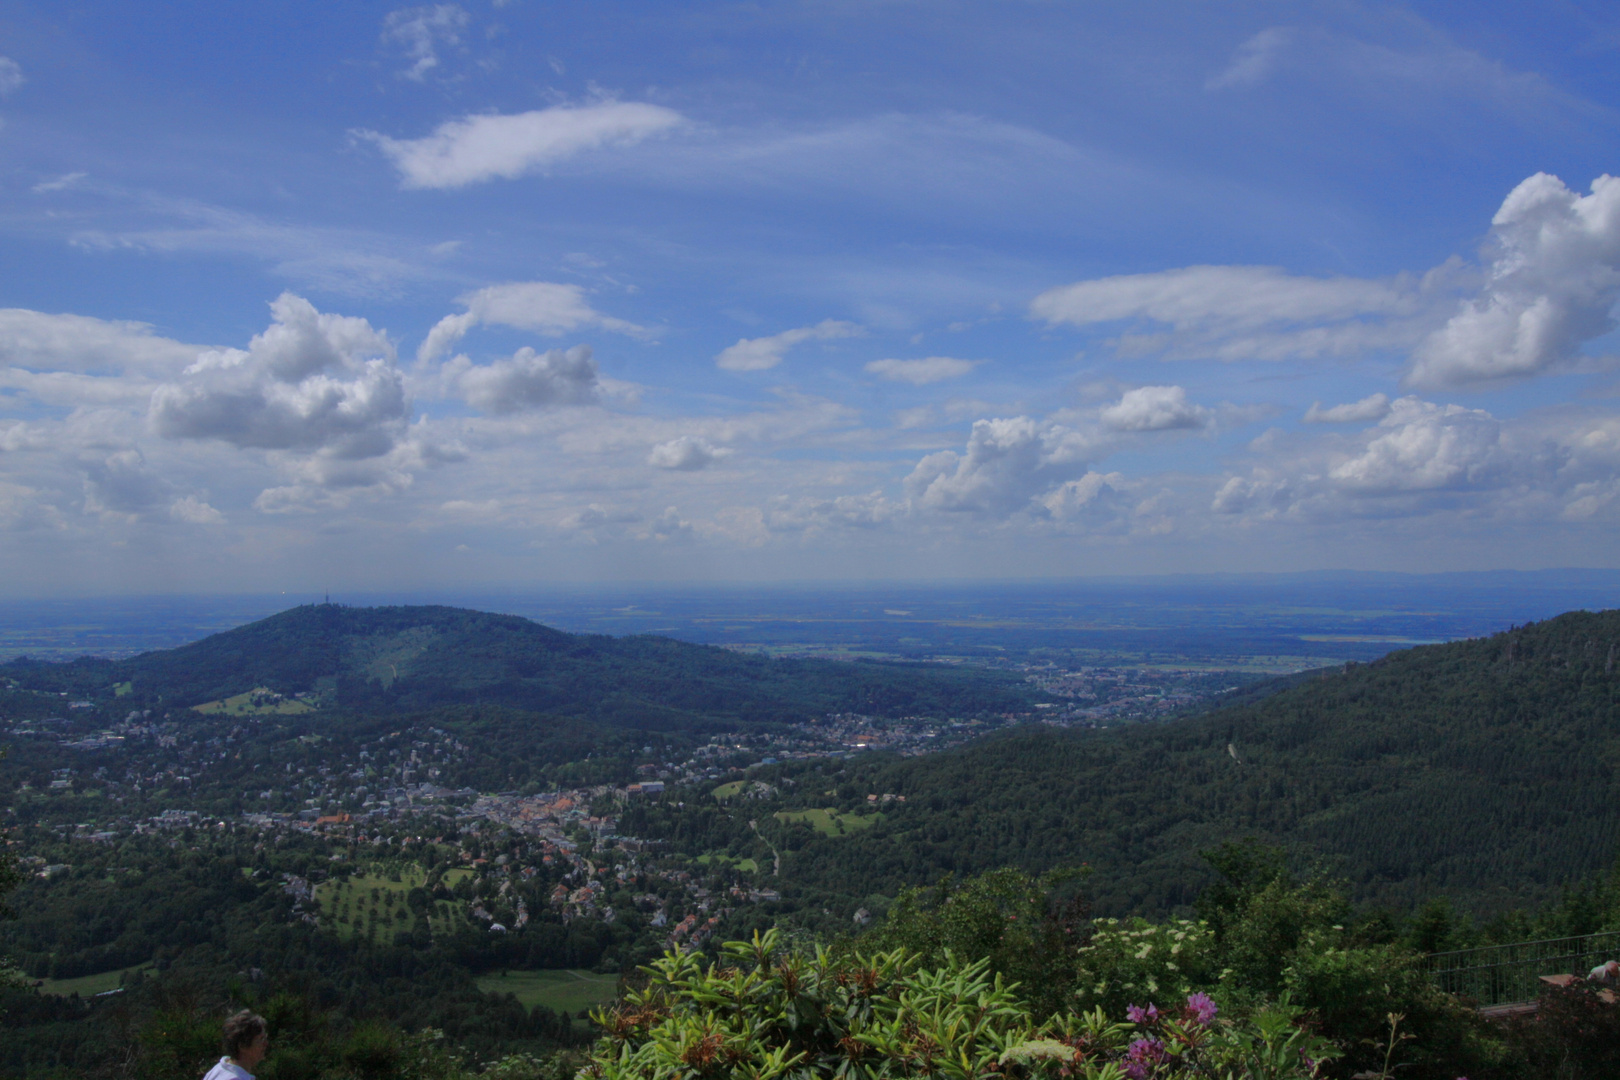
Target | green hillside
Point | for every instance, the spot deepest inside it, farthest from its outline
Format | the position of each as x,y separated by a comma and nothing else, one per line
1488,769
411,659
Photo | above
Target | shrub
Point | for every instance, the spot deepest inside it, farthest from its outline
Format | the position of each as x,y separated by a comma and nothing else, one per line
1026,927
1574,1035
373,1051
1137,961
1352,992
768,1014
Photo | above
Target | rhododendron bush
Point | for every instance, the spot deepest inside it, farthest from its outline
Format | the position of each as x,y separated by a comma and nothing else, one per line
765,1011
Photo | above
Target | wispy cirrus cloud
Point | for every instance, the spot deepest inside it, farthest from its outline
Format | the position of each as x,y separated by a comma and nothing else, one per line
1253,312
421,31
763,353
478,148
1253,61
11,76
350,261
931,369
1372,407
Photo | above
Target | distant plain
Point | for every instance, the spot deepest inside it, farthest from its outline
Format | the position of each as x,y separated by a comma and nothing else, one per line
1249,622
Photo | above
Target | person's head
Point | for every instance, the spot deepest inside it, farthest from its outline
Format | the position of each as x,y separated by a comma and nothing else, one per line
246,1038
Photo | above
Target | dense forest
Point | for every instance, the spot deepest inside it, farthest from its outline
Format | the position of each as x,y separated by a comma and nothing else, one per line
413,659
1487,770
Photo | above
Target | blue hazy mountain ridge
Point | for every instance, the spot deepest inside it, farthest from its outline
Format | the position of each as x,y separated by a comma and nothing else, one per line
1486,769
1308,619
417,658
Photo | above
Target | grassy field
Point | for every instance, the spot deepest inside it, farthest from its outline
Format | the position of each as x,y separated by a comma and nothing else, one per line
88,985
242,705
559,991
748,865
729,791
829,822
347,907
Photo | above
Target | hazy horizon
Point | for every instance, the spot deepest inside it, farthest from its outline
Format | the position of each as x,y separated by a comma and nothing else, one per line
1306,619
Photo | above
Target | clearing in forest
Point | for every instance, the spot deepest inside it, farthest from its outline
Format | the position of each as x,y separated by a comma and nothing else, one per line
89,985
558,990
721,858
258,702
829,822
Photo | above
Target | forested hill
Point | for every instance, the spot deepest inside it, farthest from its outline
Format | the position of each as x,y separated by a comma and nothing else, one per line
398,659
1476,768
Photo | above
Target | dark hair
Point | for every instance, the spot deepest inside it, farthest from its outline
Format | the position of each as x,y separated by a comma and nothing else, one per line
242,1031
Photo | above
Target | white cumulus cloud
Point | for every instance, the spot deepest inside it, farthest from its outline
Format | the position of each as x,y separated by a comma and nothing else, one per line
930,369
1552,286
759,354
528,380
1423,457
669,528
194,511
1421,446
1093,496
686,454
1154,408
478,148
310,382
1007,462
542,306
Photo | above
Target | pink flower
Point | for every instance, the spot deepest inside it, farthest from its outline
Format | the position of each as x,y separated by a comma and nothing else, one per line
1138,1015
1142,1057
1201,1010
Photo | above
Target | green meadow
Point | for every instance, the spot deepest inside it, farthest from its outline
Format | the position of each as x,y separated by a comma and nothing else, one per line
242,705
721,859
89,985
558,990
829,822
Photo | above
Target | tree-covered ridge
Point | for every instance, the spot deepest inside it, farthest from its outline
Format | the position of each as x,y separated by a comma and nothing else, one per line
404,659
1486,769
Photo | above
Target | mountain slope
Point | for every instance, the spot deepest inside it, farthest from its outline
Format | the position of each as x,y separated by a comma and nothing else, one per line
400,659
1484,768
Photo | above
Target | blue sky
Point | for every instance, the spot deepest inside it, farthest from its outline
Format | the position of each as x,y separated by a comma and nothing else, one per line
372,296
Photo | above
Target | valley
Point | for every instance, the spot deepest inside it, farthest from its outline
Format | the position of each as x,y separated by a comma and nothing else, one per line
543,854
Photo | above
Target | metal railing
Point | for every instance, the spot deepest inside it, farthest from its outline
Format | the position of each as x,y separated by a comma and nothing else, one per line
1500,974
